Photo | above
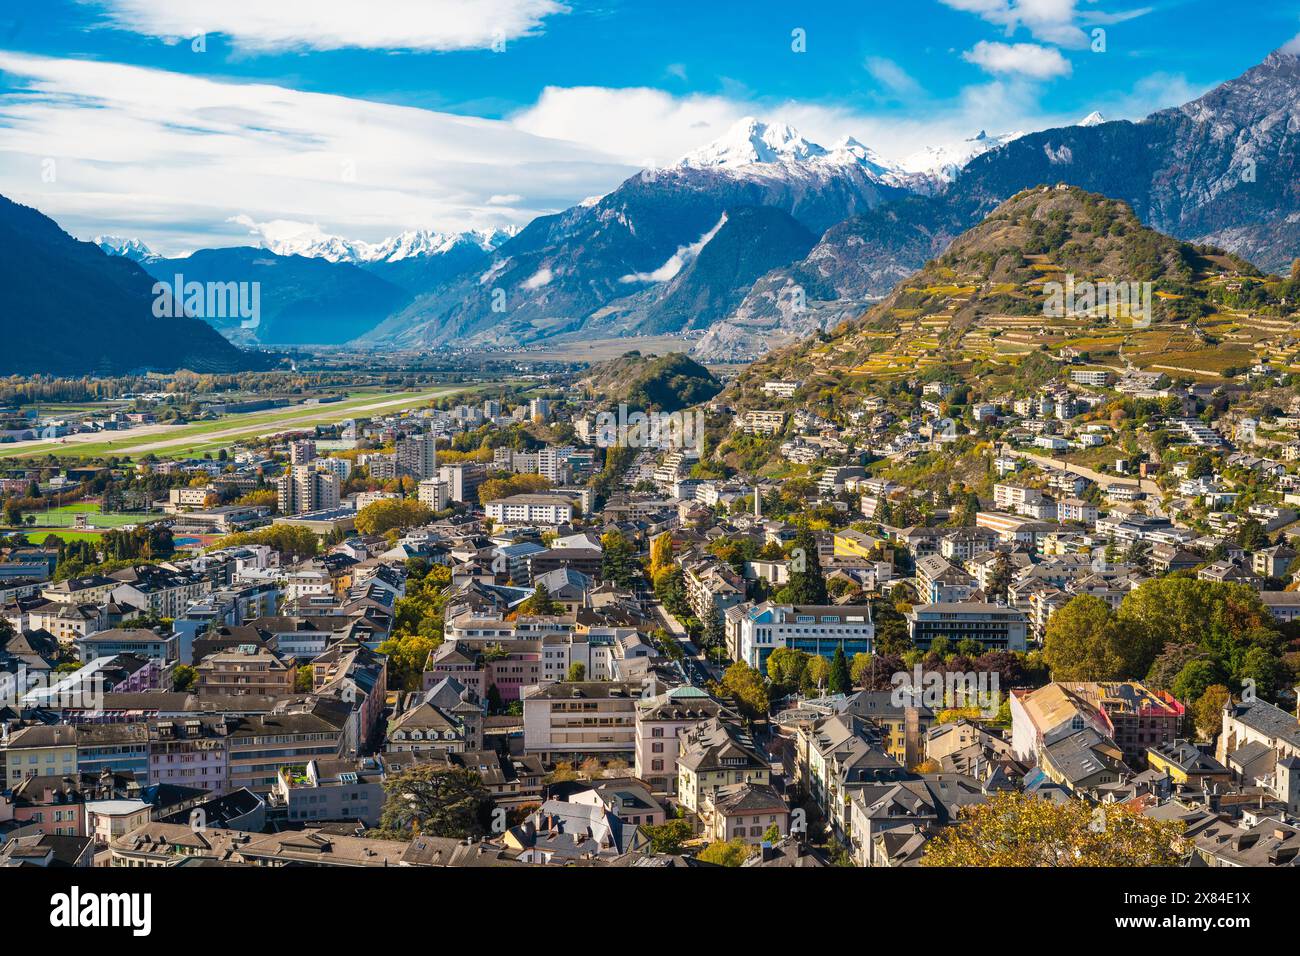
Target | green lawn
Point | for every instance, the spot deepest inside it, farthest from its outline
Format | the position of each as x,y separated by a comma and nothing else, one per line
66,516
59,521
38,535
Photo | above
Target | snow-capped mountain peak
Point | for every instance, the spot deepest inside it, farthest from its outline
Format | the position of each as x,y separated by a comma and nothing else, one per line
751,141
1095,118
126,247
850,150
947,161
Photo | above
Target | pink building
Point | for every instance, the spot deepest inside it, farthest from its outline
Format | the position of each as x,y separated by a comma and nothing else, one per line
189,752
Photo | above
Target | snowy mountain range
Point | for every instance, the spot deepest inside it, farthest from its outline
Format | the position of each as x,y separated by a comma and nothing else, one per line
774,150
408,244
127,248
763,234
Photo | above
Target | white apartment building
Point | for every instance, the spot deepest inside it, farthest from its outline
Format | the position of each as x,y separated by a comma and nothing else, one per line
1009,496
1076,509
579,719
549,510
434,494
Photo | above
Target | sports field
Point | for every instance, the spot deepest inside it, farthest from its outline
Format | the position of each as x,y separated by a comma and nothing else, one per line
61,522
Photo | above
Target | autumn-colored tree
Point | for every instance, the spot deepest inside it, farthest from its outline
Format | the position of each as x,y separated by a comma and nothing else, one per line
729,853
1017,830
183,676
817,675
860,669
260,498
1208,710
747,687
496,488
392,514
292,541
563,772
407,654
661,553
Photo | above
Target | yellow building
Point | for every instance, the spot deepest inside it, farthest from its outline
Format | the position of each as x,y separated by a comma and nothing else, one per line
716,754
1187,764
854,544
43,751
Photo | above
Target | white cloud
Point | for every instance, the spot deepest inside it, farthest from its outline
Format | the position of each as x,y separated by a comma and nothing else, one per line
542,277
1052,21
642,125
172,158
1024,59
892,76
177,160
335,24
279,231
1292,45
677,260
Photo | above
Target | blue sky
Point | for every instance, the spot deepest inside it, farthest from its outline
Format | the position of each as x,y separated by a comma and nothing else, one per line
363,119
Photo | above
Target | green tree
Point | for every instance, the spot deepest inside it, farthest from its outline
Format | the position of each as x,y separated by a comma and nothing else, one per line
1251,535
807,582
618,561
1194,678
1000,579
1264,669
183,677
577,672
435,801
1084,642
540,603
669,836
840,680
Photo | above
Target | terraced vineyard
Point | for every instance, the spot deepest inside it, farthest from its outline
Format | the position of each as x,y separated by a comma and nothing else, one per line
980,307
